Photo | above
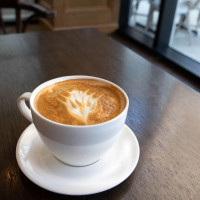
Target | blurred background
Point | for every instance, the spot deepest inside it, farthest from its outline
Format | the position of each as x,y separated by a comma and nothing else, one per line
144,17
169,28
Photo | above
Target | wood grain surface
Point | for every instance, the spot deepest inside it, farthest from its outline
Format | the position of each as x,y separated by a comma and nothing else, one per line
75,14
164,113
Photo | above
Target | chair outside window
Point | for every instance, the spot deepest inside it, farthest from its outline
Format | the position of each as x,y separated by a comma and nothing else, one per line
186,20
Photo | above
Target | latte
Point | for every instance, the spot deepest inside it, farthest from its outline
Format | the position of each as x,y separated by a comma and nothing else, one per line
80,102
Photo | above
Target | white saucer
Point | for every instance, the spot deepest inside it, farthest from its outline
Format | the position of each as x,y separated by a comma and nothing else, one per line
38,164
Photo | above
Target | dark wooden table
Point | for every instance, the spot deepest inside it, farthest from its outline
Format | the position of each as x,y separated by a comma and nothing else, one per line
164,113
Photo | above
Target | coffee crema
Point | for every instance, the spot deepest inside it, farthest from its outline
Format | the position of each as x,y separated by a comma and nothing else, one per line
80,102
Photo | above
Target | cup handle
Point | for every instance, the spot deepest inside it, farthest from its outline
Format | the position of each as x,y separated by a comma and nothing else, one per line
23,108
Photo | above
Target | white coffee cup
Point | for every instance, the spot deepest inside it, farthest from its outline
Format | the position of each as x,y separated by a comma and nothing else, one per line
71,144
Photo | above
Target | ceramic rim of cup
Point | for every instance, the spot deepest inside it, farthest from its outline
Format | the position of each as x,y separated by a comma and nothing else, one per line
64,78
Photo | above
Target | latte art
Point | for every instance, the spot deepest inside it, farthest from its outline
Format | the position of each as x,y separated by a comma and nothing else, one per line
80,104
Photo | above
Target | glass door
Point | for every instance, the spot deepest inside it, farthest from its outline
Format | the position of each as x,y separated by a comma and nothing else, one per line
139,19
144,15
170,28
186,33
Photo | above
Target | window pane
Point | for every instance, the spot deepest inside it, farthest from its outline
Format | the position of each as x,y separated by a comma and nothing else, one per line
186,33
144,15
